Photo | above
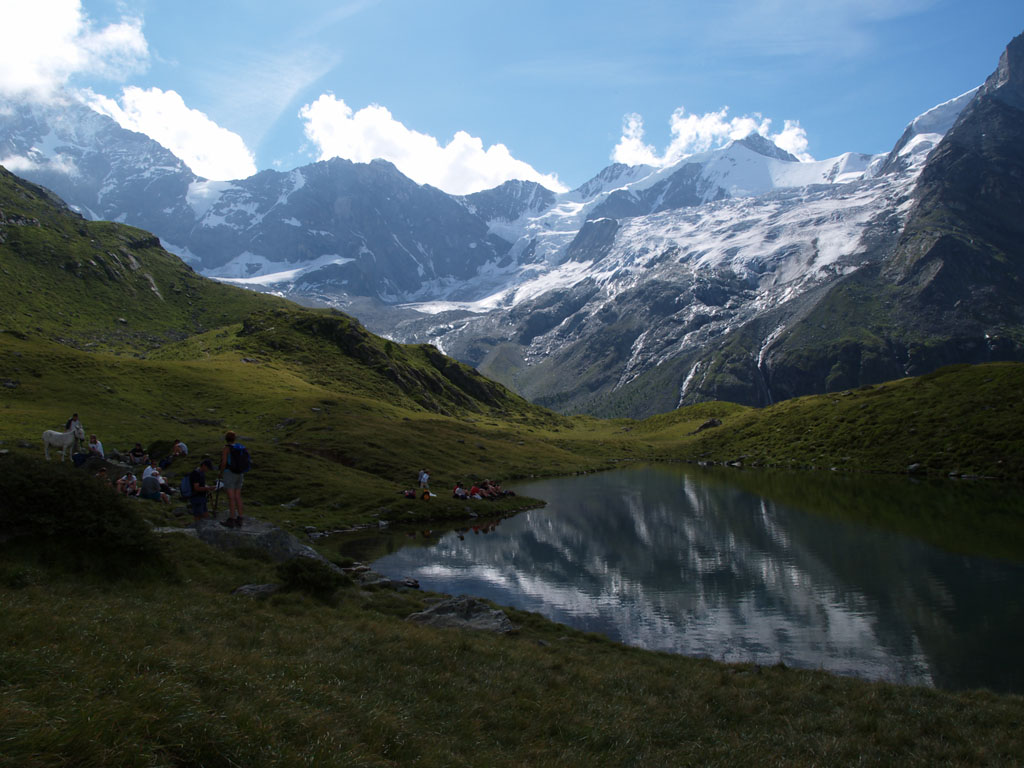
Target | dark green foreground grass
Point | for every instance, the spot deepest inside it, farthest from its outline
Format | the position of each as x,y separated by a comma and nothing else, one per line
182,673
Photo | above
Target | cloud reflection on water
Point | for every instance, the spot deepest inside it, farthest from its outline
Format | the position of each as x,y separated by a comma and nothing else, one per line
661,558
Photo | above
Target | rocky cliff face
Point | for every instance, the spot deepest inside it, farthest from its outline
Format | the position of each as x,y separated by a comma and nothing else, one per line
949,290
362,229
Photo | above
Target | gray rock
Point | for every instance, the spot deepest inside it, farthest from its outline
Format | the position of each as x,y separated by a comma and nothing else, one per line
171,530
258,534
373,579
369,578
709,424
464,613
259,591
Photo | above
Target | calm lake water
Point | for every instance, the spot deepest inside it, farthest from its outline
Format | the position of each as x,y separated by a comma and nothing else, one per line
882,579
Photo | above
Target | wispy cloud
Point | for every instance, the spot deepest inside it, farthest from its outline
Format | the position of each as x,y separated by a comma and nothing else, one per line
606,71
268,86
837,28
338,13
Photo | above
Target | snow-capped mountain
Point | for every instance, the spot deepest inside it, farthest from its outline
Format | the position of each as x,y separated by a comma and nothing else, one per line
338,229
336,226
741,273
664,287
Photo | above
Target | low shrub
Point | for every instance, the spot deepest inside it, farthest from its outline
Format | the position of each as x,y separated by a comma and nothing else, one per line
311,576
67,518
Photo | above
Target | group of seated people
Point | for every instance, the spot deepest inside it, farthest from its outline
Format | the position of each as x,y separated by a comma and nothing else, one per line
152,486
137,455
488,489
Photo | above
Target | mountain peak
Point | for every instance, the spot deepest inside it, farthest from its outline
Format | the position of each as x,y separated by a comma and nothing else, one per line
613,176
1006,84
755,142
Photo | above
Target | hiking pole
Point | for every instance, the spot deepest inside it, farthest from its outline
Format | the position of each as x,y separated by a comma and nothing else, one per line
216,499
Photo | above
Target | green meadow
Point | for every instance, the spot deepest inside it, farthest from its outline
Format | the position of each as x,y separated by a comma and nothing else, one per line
121,646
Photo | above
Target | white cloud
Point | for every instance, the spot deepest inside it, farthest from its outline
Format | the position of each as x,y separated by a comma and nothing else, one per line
459,167
17,163
793,139
208,149
44,42
699,133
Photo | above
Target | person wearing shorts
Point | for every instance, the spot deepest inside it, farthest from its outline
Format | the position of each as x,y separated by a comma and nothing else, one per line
232,483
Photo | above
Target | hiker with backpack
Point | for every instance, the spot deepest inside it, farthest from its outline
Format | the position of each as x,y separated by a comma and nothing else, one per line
234,463
197,489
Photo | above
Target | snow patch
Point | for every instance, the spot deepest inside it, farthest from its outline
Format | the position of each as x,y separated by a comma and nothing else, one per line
203,195
252,269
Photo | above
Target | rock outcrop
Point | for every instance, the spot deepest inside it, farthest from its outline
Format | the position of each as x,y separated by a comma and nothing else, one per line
464,613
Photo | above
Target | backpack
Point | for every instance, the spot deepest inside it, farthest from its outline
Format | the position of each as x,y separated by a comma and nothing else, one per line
186,487
239,461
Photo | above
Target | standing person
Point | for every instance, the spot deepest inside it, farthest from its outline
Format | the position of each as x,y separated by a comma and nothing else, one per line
424,480
234,463
72,423
197,481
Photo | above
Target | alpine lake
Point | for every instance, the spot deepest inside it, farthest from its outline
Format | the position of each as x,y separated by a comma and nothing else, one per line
909,581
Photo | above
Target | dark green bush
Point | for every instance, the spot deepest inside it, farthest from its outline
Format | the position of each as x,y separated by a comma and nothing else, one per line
68,518
311,576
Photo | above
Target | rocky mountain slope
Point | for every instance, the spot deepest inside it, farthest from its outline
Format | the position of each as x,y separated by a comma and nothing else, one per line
738,274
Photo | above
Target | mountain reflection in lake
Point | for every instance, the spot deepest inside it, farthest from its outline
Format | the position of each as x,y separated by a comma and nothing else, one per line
677,559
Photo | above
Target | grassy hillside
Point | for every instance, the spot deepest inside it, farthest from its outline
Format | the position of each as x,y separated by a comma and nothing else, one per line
100,285
959,420
120,647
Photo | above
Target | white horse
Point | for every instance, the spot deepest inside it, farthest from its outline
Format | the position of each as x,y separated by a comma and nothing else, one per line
63,440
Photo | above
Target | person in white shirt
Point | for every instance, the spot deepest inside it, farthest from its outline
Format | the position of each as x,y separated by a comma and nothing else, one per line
154,467
95,446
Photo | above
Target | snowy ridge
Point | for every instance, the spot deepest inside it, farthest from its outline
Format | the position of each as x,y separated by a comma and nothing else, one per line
759,213
734,171
788,205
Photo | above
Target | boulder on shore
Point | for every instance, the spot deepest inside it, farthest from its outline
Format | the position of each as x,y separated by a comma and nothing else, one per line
464,612
278,544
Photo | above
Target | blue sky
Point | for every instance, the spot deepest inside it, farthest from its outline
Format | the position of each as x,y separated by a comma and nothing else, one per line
464,94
